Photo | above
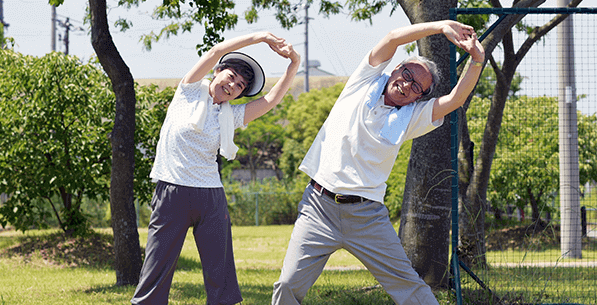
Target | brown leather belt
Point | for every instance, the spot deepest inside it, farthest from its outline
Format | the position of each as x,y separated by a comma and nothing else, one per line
338,198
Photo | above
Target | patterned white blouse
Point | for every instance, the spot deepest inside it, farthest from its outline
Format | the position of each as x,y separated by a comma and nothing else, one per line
185,156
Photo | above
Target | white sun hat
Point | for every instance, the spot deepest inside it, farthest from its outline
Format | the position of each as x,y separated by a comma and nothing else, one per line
259,80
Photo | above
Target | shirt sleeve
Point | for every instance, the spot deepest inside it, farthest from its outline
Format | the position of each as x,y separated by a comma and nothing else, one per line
364,73
421,122
239,115
191,91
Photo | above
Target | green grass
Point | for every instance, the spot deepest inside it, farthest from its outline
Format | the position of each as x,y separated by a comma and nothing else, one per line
523,258
259,253
538,285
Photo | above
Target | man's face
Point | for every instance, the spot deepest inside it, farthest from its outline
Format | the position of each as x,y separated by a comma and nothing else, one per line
407,84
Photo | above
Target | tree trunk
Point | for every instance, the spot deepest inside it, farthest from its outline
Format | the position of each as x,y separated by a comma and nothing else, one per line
470,215
124,224
534,201
425,219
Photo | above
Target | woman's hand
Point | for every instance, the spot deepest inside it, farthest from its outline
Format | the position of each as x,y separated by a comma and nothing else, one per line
287,51
265,103
271,39
274,42
280,46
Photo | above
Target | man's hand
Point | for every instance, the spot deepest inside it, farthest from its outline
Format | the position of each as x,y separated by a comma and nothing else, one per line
472,46
457,32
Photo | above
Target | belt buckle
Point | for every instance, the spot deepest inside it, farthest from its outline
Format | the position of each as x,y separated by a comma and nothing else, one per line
336,198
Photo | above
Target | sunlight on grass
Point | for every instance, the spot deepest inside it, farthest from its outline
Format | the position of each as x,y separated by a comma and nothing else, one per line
547,256
259,253
27,284
260,247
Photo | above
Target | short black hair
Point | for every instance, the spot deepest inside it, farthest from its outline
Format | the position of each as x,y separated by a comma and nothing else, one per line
240,67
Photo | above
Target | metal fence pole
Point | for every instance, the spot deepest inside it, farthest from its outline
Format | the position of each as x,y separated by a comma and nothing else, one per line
256,209
583,220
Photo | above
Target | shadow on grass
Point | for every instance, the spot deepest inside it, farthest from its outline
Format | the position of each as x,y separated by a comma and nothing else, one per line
111,294
333,295
92,251
181,292
189,264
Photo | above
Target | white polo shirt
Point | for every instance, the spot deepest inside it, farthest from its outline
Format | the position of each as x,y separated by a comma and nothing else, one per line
185,156
351,155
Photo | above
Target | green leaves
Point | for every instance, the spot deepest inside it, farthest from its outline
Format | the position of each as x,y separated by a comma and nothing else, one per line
214,16
123,24
55,2
363,10
149,115
526,162
52,139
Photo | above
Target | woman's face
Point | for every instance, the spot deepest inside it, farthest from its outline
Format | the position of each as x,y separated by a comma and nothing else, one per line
226,86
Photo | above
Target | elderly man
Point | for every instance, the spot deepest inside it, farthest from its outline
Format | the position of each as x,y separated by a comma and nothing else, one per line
351,159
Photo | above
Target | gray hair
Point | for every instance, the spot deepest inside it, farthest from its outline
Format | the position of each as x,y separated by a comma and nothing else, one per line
435,76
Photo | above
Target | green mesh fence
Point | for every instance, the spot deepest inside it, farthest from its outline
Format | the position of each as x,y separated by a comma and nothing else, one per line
534,254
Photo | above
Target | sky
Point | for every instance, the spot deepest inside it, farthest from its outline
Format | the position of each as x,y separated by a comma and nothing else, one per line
338,43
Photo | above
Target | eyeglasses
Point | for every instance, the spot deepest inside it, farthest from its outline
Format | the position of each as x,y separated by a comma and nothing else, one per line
416,87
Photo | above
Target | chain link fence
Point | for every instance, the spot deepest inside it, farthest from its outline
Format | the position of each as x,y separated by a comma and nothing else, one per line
528,234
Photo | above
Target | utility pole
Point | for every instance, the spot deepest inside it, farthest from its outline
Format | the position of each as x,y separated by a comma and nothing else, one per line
306,47
570,228
2,24
53,28
67,28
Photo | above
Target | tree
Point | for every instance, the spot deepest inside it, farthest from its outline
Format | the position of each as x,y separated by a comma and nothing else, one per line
122,139
64,107
425,221
152,105
261,144
525,170
53,134
305,118
486,86
214,15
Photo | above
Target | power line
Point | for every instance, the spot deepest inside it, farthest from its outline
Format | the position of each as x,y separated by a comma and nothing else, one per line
333,49
68,27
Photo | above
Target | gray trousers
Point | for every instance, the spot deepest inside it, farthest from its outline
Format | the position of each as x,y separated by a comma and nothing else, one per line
363,229
175,209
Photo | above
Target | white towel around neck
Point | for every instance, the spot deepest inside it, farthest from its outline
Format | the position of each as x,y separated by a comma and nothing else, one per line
226,120
399,117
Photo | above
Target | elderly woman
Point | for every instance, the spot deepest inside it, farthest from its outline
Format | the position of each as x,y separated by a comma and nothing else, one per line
189,192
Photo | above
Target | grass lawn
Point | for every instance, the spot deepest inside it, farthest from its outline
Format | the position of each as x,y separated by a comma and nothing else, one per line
64,276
